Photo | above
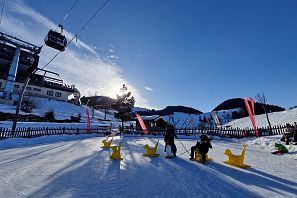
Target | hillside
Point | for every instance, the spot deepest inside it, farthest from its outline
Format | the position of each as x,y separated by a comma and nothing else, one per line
276,118
177,115
62,111
169,110
184,120
239,103
100,101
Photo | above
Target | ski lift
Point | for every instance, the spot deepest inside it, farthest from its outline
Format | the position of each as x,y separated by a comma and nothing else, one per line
55,40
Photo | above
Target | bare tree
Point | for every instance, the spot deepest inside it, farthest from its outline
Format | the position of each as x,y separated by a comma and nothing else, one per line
30,103
227,116
261,98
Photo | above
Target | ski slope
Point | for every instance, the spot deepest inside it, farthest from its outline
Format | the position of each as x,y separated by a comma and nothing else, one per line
76,166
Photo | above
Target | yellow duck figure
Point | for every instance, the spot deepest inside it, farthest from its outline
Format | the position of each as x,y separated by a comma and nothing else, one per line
151,152
106,144
236,160
116,152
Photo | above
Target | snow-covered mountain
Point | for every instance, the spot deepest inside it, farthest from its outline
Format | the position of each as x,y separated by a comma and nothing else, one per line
139,109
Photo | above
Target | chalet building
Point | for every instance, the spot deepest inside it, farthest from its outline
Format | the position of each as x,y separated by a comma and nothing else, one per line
153,123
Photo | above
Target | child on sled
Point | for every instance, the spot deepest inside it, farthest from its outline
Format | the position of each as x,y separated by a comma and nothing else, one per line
204,145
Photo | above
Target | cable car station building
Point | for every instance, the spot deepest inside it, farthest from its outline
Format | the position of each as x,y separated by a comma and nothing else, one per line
18,59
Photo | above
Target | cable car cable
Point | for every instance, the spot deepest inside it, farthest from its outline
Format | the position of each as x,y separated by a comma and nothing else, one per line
83,27
54,32
2,11
67,14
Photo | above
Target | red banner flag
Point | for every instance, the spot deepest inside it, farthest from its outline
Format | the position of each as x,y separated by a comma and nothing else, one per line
253,106
142,124
88,121
253,110
252,115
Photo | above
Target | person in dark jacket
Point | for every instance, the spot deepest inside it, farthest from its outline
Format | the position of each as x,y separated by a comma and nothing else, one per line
204,145
169,139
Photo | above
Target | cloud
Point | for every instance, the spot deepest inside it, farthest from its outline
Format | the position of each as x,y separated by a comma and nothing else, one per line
148,88
79,64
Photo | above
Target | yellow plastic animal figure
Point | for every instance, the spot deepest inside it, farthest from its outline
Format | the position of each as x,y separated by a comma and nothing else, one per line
198,156
151,152
106,144
236,160
116,152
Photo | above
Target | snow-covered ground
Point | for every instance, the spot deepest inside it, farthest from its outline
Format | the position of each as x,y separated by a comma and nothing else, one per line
276,118
76,166
62,111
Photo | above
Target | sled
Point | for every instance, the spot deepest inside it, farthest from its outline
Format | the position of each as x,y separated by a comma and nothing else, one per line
279,149
198,157
278,152
151,152
169,152
236,160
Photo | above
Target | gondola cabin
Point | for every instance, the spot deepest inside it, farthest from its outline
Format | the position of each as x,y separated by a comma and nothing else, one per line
55,40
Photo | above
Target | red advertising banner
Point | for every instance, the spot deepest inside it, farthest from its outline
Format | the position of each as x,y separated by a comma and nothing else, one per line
88,120
142,124
253,106
253,110
252,115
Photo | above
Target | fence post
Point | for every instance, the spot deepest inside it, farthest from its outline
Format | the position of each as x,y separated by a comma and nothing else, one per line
1,133
29,132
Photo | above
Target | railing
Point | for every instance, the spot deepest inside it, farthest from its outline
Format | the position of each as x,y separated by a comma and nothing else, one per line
36,132
221,132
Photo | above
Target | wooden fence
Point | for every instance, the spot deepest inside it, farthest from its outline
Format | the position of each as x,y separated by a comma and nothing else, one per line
36,132
221,132
233,132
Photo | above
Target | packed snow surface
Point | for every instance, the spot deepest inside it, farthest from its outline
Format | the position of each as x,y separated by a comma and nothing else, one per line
76,166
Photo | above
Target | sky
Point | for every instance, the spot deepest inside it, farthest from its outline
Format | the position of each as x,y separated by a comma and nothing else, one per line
169,52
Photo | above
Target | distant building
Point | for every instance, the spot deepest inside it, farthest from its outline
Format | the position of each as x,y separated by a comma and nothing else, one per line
153,123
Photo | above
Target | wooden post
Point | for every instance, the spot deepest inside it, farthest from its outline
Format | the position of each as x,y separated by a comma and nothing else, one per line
29,132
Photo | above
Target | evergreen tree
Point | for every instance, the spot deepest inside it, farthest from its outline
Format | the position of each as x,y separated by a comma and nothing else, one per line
124,104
